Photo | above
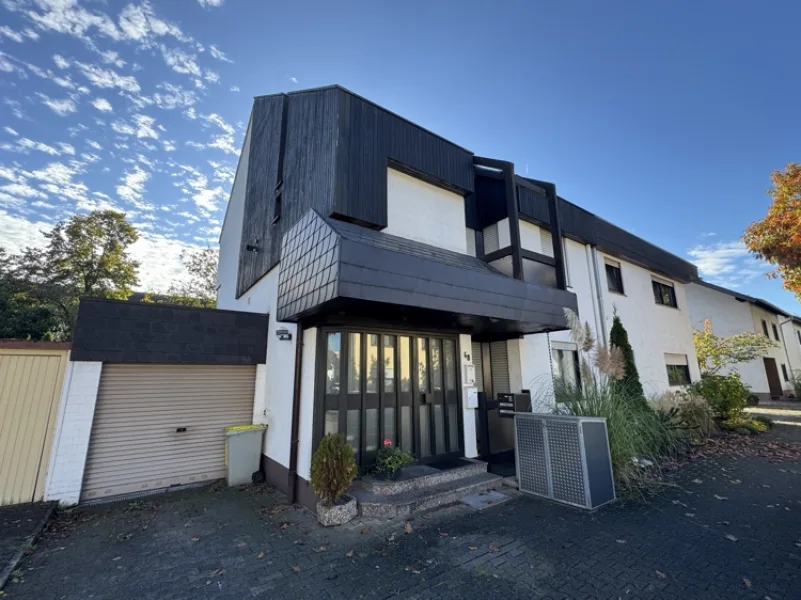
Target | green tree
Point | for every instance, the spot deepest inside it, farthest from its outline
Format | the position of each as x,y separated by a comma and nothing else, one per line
23,316
715,353
87,255
619,338
200,287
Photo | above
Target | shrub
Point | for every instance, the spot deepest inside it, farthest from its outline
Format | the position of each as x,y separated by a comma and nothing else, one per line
691,411
746,425
619,338
796,380
391,459
333,468
727,395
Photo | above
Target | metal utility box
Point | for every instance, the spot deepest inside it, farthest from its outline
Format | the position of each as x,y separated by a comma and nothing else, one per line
564,458
242,452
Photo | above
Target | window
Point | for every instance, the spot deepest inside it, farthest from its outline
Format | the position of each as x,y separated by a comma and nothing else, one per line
798,334
765,328
566,368
775,331
614,277
678,370
784,373
664,293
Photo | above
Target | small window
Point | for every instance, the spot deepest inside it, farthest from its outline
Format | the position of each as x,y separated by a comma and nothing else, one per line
784,373
664,294
566,371
279,202
775,331
798,334
765,328
678,374
614,277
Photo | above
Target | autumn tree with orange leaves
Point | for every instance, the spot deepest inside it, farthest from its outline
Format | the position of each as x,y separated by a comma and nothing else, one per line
777,237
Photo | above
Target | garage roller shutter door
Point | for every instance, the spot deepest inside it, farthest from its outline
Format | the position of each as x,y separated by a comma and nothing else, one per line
136,444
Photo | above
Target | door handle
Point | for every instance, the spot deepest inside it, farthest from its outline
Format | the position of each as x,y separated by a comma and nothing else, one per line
180,429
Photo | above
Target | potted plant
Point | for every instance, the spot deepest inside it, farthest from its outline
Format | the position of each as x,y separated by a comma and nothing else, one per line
390,460
333,469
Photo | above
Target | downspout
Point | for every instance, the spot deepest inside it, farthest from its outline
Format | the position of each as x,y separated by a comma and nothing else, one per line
295,441
599,294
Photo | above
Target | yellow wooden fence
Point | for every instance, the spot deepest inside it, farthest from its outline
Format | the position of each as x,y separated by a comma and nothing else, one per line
31,376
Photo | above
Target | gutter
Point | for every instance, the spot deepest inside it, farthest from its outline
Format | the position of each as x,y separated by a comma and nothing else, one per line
599,293
292,492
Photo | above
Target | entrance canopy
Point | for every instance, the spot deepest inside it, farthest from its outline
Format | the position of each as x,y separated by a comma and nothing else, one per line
330,266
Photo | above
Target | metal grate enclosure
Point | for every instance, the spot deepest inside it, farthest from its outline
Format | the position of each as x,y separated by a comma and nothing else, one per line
564,458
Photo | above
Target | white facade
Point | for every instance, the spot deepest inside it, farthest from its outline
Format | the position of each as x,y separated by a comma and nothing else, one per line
654,330
791,330
419,211
729,315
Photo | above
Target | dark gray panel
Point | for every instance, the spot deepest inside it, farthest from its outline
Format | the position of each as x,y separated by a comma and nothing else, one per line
134,332
599,467
265,140
310,266
491,205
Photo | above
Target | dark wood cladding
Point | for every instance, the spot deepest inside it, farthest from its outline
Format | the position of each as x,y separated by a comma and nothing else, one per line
488,204
372,139
257,231
134,332
588,228
337,149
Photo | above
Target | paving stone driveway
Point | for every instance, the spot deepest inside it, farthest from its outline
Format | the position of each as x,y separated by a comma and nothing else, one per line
730,528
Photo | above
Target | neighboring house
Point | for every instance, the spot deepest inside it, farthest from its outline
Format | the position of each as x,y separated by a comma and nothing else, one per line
402,274
791,331
730,313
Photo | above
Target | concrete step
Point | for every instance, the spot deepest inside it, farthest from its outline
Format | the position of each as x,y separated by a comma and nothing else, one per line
404,504
417,477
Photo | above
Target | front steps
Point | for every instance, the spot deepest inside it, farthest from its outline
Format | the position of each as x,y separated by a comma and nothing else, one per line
422,487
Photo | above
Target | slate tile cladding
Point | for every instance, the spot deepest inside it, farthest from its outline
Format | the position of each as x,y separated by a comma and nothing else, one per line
363,264
309,266
131,332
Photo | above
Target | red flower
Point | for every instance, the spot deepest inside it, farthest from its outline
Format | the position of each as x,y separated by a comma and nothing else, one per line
387,442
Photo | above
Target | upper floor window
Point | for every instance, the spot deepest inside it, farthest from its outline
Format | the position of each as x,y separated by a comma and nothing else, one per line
614,277
765,328
664,293
775,331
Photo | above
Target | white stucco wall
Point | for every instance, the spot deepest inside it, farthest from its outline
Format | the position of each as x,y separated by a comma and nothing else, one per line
306,433
728,316
792,343
231,234
653,329
73,428
419,211
778,352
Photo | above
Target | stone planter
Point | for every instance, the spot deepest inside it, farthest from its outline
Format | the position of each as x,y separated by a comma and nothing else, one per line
338,514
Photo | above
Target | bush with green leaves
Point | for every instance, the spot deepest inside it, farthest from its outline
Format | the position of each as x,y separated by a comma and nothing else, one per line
619,338
333,468
747,425
391,459
796,381
727,395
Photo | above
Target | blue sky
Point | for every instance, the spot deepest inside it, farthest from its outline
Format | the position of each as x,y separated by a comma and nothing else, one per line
664,118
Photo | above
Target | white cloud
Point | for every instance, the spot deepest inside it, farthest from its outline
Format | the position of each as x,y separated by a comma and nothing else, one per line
144,127
11,34
16,108
211,76
173,96
132,186
102,105
123,128
108,78
726,263
25,144
10,131
219,54
160,260
66,148
113,58
293,79
65,16
61,107
140,24
94,144
210,3
180,61
169,146
20,233
61,62
234,88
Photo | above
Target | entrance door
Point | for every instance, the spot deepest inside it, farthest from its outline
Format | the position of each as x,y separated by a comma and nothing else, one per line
774,384
395,386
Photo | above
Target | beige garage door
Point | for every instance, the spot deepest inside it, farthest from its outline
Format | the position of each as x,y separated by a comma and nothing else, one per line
158,426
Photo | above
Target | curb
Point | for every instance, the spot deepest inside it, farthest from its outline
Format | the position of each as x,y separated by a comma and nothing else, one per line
15,560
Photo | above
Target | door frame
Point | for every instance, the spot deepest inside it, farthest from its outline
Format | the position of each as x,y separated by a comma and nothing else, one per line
318,421
774,385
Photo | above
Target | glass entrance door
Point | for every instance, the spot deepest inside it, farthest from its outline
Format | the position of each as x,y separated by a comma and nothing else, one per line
394,386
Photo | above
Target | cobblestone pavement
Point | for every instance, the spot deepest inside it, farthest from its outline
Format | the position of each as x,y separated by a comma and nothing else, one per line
728,527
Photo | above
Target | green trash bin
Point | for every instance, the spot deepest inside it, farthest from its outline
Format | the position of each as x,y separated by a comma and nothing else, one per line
243,445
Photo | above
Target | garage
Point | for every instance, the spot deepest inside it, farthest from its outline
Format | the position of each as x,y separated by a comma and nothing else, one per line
157,426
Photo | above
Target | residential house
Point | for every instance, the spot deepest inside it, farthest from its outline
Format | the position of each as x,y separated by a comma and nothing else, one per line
731,312
410,282
791,331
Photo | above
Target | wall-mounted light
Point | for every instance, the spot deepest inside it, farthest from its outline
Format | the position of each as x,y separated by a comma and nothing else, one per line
283,334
